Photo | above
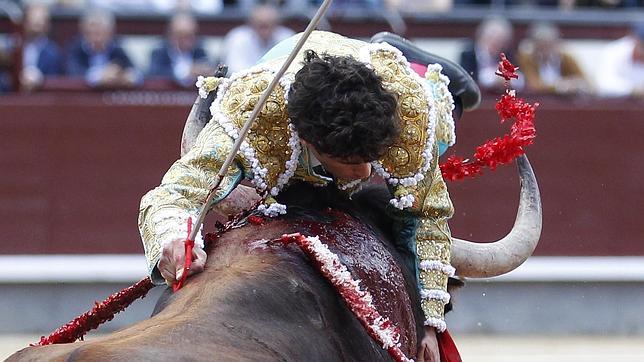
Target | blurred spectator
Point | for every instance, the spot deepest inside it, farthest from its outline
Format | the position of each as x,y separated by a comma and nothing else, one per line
622,69
6,61
340,5
546,66
606,4
481,58
11,12
160,6
180,57
97,56
245,45
246,6
40,56
420,6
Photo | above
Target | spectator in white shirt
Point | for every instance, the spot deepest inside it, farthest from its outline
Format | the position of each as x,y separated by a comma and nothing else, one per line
245,45
622,70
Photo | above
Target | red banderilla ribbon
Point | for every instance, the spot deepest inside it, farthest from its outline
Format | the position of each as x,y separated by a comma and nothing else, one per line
188,246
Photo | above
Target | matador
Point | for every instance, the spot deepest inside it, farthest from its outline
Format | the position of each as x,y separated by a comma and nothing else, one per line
344,111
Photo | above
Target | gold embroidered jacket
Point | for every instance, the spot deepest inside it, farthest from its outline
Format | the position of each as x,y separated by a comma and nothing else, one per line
271,156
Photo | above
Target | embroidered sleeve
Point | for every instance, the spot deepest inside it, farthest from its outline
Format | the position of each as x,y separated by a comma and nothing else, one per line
433,237
433,242
164,211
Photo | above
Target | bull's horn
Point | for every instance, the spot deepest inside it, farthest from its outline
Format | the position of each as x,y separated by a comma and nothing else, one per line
483,260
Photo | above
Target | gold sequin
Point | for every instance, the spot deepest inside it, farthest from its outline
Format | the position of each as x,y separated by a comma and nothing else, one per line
209,84
433,279
433,308
433,250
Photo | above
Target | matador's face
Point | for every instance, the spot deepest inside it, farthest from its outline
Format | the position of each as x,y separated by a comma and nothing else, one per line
345,169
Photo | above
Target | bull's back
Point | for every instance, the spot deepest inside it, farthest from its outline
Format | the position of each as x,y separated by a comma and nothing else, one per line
265,304
58,352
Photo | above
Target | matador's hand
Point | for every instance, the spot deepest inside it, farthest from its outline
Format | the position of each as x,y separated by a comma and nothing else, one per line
428,349
241,198
172,260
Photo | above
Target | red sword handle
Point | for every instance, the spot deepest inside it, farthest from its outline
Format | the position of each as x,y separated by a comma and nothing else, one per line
188,246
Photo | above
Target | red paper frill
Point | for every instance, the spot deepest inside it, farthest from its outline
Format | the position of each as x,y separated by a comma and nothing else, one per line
101,313
506,69
499,150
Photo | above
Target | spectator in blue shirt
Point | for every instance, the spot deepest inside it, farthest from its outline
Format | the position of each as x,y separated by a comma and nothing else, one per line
180,57
97,57
41,57
6,62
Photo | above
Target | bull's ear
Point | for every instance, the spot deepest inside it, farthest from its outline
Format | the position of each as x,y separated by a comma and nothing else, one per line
461,84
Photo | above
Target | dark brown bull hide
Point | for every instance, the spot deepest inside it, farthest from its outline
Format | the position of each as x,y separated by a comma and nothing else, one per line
269,303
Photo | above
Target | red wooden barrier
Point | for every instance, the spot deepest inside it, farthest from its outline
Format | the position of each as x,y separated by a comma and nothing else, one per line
74,167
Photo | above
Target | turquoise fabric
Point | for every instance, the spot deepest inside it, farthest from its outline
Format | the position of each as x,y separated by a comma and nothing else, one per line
404,231
442,147
282,48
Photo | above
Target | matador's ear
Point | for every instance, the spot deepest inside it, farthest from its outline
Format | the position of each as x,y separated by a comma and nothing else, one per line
461,84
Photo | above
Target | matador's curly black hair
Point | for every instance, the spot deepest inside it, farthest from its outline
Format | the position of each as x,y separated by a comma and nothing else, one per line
339,106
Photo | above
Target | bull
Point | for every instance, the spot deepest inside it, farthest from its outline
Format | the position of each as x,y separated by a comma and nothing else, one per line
262,301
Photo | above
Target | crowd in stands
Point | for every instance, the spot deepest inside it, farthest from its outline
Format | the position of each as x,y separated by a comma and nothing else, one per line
545,66
97,58
216,6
